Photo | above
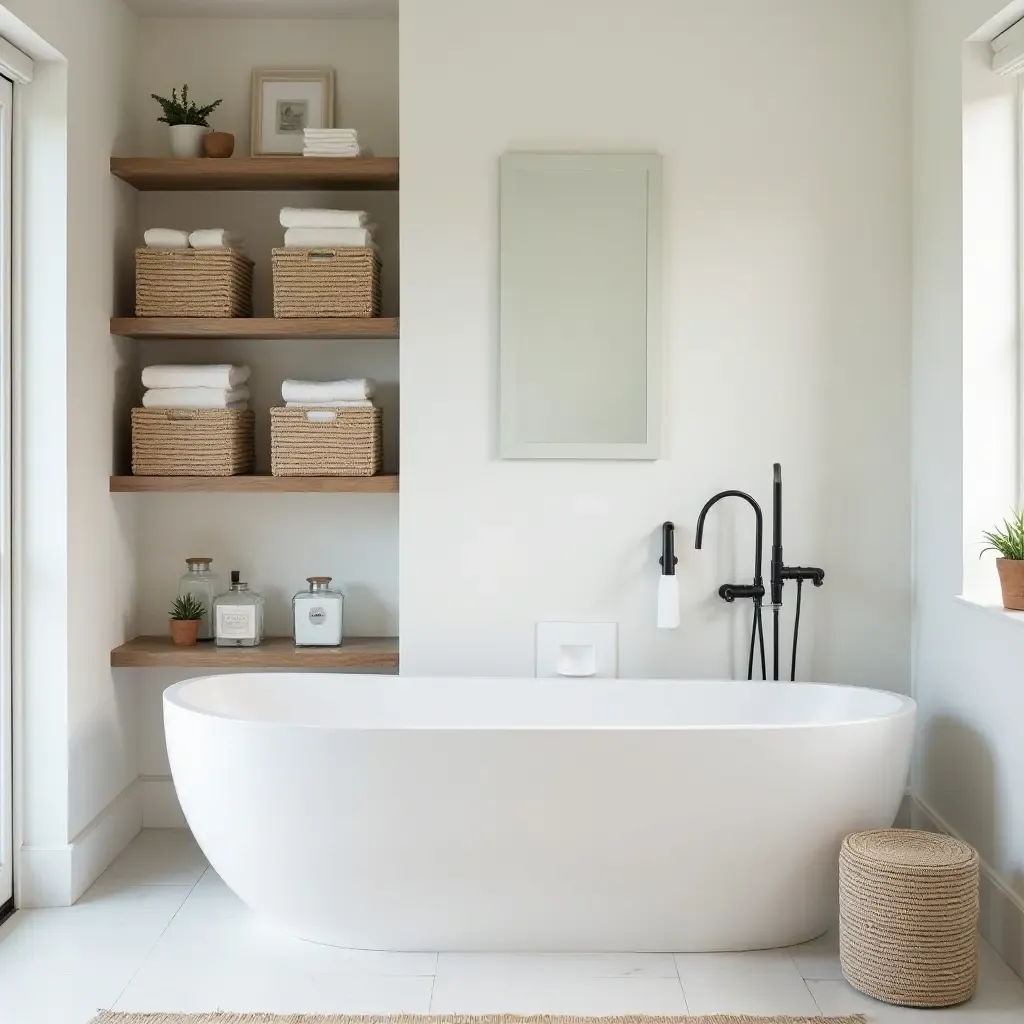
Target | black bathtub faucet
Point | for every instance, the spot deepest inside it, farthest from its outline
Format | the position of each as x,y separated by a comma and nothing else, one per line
755,591
780,572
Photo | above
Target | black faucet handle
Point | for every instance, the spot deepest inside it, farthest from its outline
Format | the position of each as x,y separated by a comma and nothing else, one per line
668,560
729,592
804,572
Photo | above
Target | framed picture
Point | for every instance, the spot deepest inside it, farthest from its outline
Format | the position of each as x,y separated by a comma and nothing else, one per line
286,102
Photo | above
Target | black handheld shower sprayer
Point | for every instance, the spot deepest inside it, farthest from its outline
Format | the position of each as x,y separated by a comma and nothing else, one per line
780,572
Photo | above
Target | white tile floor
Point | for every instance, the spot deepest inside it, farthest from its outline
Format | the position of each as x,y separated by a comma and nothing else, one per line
160,931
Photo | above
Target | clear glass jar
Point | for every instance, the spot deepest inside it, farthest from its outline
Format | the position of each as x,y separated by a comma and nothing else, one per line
317,614
238,615
203,585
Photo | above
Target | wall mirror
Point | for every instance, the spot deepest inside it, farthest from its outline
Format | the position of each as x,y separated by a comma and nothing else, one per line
579,294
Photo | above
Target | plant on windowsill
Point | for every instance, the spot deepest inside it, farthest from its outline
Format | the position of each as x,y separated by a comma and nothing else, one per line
1008,543
186,613
187,122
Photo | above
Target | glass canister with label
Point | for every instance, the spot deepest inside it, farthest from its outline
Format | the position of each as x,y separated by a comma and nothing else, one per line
202,583
238,615
317,614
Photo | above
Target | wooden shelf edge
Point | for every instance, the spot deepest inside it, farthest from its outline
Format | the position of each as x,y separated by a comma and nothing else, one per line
250,174
251,484
275,652
384,328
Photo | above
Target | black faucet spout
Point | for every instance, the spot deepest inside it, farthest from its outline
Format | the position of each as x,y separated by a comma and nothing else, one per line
758,526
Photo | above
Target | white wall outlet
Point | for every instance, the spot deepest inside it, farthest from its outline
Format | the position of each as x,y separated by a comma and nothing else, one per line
577,649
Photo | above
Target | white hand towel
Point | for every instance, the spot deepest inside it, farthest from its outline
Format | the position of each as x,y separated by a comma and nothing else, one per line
166,238
326,391
195,398
220,375
312,238
349,153
294,217
214,238
330,133
342,404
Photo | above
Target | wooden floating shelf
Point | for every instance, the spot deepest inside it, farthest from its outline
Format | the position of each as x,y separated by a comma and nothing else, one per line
381,484
362,652
379,328
252,174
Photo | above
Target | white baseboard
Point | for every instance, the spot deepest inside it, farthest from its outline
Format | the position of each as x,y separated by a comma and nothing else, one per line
58,876
160,807
1002,909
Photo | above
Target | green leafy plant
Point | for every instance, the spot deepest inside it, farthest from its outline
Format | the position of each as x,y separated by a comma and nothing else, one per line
188,607
1007,540
182,111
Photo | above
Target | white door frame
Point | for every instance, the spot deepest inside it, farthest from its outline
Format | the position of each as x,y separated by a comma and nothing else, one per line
6,503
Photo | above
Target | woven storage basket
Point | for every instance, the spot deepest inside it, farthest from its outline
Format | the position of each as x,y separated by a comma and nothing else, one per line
325,442
193,442
192,282
908,917
343,282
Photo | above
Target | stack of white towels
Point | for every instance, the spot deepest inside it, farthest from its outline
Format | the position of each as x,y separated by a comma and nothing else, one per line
312,229
331,142
196,387
205,238
331,394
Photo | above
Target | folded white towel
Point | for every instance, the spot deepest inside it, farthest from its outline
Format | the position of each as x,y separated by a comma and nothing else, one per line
329,133
195,398
318,391
295,217
333,156
220,375
214,238
364,403
166,238
312,238
333,151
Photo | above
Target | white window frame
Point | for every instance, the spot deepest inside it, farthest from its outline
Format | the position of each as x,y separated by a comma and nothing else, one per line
7,102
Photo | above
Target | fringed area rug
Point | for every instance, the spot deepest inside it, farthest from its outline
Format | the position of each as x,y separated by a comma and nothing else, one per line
271,1018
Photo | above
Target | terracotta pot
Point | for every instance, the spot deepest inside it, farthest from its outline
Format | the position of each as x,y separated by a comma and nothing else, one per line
219,144
1011,579
185,632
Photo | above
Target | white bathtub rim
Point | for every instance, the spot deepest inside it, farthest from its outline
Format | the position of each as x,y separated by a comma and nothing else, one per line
905,706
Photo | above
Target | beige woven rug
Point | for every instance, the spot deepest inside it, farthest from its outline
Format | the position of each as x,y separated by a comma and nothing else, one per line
270,1018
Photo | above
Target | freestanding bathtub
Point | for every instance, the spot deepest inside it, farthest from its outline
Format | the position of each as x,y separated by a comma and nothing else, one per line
526,814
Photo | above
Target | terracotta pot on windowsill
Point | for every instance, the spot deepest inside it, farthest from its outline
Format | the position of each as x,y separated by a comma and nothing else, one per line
1011,579
185,632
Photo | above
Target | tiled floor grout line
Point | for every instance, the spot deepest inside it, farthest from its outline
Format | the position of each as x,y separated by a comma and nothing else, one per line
679,978
156,942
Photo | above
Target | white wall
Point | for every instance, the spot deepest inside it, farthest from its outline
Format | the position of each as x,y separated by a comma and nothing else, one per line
970,758
78,746
786,327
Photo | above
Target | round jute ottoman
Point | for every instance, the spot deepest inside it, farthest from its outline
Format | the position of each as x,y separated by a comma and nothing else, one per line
908,916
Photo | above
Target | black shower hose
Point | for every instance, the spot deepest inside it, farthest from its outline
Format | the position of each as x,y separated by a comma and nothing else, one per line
796,629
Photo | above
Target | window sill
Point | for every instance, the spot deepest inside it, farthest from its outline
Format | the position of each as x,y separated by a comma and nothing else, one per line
992,608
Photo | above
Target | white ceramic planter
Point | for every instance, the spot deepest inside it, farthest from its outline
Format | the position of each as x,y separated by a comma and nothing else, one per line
187,139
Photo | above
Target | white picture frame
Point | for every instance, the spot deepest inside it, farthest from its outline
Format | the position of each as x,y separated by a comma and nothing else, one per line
284,102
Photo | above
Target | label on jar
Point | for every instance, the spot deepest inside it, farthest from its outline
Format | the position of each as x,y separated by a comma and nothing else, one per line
317,616
236,622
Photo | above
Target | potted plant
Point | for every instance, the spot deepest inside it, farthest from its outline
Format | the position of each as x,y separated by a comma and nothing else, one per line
1008,542
187,122
186,613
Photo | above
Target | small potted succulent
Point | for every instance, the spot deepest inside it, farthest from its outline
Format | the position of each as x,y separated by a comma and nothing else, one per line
187,122
1008,543
186,614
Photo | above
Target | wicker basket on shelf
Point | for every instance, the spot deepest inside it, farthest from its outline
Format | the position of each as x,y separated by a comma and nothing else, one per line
193,442
326,282
325,442
192,282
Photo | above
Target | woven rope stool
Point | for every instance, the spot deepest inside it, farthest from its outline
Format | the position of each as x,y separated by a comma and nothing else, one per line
908,917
